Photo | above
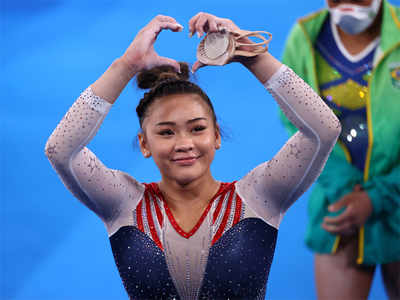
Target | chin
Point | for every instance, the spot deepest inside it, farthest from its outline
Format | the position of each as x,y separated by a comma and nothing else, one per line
185,177
184,181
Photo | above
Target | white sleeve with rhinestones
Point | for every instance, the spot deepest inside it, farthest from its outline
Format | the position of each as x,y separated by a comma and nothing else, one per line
273,186
101,189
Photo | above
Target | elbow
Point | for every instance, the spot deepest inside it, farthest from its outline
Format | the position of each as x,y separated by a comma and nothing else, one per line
332,131
53,154
50,150
336,128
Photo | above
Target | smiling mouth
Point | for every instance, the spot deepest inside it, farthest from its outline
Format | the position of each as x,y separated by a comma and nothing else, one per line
185,161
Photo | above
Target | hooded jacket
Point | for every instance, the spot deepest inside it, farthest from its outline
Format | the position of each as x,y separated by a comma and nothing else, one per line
379,238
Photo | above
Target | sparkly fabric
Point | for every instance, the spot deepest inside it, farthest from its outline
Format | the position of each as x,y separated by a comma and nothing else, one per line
111,194
344,87
186,253
237,268
273,186
142,265
246,213
239,263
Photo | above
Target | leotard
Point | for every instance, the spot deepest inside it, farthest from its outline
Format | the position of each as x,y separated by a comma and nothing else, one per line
228,254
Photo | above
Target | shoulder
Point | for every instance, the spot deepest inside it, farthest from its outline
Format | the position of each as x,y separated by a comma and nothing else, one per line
306,27
396,10
321,13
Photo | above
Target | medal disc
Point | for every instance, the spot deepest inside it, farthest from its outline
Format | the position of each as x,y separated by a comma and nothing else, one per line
215,45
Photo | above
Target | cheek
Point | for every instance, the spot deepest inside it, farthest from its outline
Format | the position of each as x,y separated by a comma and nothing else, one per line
160,148
163,149
207,144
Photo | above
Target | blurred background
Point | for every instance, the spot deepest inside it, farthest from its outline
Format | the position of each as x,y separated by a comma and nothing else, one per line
52,247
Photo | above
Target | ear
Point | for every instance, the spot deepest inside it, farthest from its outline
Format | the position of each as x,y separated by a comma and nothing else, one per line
143,145
217,137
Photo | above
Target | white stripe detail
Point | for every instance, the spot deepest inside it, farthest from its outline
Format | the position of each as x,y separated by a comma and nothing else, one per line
154,215
221,213
229,222
146,227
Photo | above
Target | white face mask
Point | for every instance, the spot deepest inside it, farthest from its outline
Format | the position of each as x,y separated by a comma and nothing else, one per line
354,19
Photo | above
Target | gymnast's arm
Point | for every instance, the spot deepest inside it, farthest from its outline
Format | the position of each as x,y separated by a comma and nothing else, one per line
273,186
101,189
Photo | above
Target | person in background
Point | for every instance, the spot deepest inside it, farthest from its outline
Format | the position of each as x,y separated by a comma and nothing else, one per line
350,54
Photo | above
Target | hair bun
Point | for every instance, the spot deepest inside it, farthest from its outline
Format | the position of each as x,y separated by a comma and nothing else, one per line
154,76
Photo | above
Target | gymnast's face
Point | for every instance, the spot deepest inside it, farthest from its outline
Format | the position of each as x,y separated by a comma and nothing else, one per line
334,3
179,133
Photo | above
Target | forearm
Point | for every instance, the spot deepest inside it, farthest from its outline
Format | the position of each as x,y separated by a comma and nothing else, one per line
262,66
303,107
76,128
110,85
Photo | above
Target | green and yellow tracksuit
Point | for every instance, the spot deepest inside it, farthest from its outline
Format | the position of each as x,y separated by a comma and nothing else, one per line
379,238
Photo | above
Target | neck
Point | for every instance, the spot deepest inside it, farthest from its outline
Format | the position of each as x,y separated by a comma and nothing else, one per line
196,193
355,43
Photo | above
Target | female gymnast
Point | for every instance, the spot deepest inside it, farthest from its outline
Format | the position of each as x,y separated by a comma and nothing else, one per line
190,236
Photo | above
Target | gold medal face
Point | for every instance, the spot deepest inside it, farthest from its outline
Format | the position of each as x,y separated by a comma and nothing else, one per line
216,44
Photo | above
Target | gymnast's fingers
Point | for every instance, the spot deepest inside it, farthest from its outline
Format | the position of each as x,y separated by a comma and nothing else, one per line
228,24
192,22
201,24
212,25
173,26
154,24
140,52
162,18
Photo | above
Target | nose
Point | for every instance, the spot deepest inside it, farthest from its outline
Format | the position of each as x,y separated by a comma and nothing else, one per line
183,144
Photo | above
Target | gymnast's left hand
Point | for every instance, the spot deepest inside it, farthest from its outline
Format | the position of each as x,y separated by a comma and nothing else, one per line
204,23
358,208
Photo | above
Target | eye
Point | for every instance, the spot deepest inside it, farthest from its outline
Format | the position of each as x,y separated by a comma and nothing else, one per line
199,128
166,132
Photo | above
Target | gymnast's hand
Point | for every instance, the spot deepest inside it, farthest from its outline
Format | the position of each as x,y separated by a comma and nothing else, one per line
141,55
207,23
358,207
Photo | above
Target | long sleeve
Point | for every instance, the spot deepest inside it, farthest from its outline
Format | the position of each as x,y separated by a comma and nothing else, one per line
273,186
339,176
101,189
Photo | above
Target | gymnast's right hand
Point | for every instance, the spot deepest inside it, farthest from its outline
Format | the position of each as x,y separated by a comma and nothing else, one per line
141,55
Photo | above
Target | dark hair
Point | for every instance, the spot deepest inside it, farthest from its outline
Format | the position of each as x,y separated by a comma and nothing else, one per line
164,81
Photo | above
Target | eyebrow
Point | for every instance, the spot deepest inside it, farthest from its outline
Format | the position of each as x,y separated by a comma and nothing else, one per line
173,123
